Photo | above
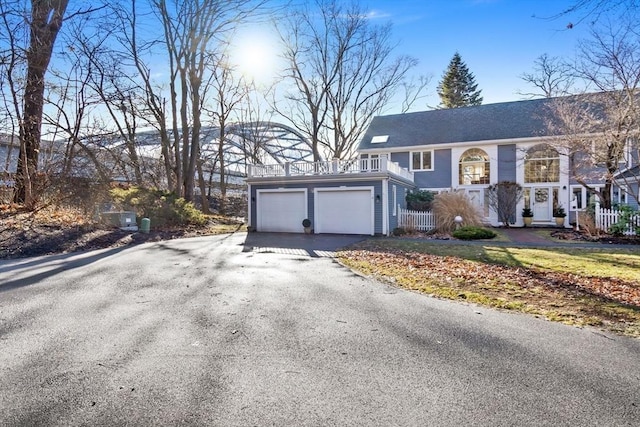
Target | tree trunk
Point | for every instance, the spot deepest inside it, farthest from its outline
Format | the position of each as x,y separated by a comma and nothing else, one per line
203,187
46,20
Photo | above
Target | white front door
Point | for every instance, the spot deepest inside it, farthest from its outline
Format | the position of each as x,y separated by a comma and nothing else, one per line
541,203
477,200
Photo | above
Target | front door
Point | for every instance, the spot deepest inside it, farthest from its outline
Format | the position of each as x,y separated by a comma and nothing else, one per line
477,200
541,204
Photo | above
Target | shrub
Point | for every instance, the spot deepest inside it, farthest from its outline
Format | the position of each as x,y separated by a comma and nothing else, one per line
559,212
587,223
446,206
419,200
503,198
625,214
473,233
162,207
527,213
399,231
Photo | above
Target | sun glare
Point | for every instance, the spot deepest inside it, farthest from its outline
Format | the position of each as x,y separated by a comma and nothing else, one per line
255,56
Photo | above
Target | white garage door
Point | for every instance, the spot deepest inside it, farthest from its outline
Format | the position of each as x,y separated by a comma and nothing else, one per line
344,211
281,210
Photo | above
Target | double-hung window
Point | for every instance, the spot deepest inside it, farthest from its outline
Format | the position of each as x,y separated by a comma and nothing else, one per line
422,160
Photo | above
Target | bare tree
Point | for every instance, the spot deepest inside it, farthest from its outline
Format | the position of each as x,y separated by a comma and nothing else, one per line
343,73
192,32
229,90
504,196
12,68
599,131
44,20
551,77
594,10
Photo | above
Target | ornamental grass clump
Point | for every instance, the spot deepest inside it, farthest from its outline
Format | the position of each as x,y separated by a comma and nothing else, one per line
447,206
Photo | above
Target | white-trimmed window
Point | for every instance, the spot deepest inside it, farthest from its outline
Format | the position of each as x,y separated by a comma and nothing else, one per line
422,160
474,167
581,198
371,162
542,164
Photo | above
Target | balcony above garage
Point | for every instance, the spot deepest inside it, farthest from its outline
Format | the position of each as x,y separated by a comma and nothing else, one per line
330,169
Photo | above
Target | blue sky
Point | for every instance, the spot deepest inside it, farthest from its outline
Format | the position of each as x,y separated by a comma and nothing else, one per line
497,39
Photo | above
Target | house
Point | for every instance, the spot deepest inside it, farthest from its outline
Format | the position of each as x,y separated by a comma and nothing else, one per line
467,149
462,149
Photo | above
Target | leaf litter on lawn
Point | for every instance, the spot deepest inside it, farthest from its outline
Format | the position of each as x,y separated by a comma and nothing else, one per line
607,302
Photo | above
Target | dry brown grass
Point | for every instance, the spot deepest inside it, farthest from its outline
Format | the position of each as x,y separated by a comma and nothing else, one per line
578,286
587,224
446,206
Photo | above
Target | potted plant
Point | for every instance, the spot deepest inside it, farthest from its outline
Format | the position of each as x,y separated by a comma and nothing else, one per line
527,216
559,214
306,223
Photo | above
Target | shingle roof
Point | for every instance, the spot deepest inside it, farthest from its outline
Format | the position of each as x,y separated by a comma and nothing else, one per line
508,120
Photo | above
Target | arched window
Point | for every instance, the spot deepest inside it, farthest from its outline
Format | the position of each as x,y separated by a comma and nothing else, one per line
474,167
542,164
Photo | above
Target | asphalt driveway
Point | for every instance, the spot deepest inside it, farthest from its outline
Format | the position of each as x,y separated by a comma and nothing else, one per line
244,330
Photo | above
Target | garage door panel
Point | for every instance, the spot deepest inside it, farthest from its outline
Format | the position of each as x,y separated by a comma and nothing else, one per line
344,211
281,211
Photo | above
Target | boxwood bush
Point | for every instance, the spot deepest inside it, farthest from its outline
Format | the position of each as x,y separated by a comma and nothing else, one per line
472,232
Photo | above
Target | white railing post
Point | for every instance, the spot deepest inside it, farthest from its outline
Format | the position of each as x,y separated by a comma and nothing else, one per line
334,165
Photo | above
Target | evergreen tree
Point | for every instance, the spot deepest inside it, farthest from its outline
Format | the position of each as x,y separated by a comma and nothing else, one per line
458,87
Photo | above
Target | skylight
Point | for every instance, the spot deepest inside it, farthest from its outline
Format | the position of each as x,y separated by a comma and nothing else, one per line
378,139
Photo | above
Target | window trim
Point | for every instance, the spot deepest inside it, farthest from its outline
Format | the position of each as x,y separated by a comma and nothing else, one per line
394,192
527,163
485,179
411,168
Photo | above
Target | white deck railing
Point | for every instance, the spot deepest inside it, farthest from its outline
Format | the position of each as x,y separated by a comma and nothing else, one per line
330,167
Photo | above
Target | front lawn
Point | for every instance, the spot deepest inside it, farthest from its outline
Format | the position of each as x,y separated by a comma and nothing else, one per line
577,286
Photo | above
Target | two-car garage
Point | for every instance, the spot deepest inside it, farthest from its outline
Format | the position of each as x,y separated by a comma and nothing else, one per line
337,210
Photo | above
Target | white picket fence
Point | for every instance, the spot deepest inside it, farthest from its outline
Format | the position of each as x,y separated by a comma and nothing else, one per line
416,220
605,218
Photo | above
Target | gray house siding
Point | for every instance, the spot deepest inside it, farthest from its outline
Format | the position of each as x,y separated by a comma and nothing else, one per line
377,190
507,162
440,176
401,159
401,190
